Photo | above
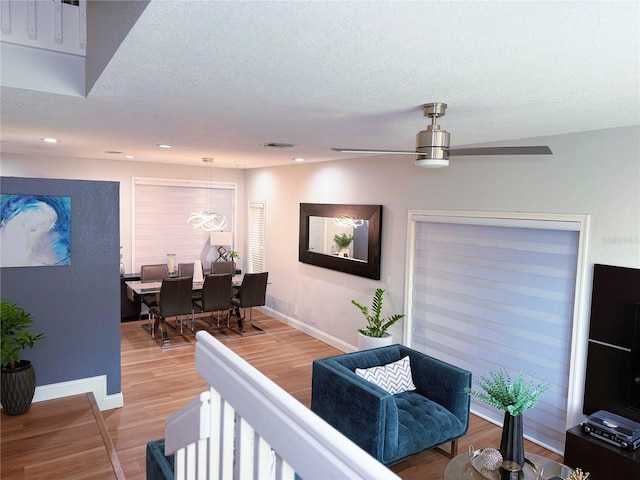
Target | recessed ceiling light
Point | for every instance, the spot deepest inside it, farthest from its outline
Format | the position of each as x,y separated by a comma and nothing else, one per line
129,156
50,140
298,159
164,145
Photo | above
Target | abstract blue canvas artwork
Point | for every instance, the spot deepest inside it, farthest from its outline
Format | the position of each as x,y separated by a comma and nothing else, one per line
35,230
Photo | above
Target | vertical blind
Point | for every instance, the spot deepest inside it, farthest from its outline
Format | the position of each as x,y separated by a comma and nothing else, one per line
256,237
160,221
485,297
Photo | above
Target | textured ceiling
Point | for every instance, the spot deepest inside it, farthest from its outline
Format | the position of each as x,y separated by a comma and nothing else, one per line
220,79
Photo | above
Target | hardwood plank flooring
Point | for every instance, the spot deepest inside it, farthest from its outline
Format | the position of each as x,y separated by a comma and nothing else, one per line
156,383
62,438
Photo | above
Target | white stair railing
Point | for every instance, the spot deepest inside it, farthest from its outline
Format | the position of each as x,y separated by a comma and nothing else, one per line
247,427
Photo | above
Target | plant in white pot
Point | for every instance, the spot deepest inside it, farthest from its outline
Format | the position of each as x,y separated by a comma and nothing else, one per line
343,241
375,333
18,376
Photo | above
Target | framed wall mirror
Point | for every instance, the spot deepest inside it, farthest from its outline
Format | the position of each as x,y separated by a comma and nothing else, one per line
341,237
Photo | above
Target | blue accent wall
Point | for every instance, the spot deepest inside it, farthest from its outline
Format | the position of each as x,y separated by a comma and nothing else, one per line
76,306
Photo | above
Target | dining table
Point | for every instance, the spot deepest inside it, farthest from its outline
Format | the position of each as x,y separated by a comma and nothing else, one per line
137,287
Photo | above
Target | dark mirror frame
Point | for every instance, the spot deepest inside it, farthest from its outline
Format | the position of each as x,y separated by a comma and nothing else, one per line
373,213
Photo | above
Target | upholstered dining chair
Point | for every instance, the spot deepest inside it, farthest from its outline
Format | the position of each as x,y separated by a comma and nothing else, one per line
223,267
152,273
392,401
252,292
215,297
185,269
175,302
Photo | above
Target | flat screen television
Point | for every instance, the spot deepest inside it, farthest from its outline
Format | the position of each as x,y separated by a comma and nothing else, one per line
613,360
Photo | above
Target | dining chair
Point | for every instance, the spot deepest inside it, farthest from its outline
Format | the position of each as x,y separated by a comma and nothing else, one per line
223,267
185,269
152,273
215,297
175,302
252,292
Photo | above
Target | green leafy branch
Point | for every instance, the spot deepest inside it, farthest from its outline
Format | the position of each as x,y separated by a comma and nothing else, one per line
343,241
512,395
376,326
13,339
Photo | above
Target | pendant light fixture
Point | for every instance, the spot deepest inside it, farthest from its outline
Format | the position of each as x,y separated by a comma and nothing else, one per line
208,220
347,222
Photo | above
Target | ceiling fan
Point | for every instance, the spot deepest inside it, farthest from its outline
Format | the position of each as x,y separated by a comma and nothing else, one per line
432,144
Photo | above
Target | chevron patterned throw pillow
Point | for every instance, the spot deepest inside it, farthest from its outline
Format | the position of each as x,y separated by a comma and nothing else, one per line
394,377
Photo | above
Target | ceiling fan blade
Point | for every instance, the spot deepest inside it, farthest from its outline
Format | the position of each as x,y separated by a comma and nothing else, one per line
533,150
383,152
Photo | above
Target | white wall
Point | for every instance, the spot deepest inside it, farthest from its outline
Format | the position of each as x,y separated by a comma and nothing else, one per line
123,172
595,173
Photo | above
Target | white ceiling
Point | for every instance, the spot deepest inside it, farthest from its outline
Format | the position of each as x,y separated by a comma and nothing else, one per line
220,79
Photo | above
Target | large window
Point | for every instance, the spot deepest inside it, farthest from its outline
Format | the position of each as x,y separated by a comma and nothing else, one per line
161,210
489,292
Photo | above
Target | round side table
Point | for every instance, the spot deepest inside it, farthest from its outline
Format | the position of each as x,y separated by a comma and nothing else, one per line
459,468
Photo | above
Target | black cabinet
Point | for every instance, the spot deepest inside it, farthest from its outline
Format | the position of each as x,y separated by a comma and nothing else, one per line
613,358
129,310
602,460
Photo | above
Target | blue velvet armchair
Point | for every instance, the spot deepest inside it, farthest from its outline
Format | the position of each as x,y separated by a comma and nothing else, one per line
392,427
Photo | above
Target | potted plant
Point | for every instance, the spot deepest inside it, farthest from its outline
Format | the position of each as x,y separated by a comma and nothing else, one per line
343,241
18,376
375,333
514,396
233,255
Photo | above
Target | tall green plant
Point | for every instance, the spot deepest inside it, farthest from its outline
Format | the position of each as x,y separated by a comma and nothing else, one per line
376,326
512,395
14,322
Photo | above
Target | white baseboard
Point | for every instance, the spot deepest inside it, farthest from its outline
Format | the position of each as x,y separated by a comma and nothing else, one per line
311,331
97,385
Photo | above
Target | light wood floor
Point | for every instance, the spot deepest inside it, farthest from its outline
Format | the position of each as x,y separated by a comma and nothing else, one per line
61,438
156,383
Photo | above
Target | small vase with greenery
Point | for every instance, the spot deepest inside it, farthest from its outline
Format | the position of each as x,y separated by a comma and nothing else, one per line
233,256
343,241
376,326
18,377
514,396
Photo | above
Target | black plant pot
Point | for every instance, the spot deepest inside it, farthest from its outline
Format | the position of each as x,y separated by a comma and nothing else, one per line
512,442
18,388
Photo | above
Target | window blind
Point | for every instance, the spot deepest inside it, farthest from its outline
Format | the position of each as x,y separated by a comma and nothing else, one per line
256,237
485,297
160,221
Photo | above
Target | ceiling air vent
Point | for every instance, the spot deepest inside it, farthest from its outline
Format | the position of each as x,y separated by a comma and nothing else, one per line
277,145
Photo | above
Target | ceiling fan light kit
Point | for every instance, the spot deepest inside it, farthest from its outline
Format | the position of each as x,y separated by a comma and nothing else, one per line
432,144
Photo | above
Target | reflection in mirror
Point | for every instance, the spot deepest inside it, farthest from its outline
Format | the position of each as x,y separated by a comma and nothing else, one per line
337,236
341,237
